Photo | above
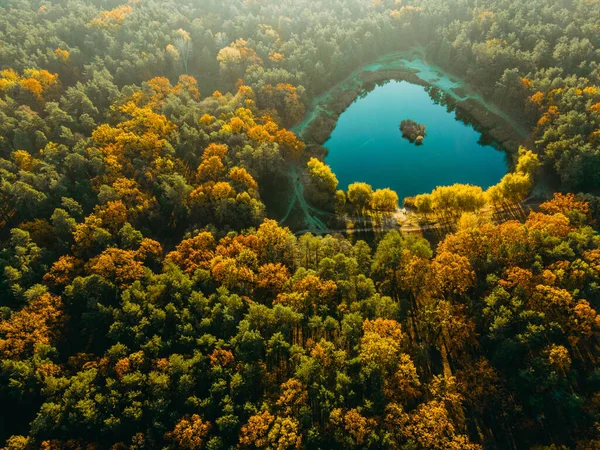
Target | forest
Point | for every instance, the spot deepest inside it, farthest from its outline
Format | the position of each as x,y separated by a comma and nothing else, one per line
152,297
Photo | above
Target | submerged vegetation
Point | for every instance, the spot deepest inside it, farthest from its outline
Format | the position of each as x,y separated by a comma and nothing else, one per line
149,298
413,131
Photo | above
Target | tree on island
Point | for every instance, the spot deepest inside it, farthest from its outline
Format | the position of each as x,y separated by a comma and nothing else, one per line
413,131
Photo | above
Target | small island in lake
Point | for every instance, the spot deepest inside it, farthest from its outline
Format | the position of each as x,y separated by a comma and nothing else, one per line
413,131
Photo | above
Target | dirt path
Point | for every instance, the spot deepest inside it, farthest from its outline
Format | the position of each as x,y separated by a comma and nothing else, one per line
313,223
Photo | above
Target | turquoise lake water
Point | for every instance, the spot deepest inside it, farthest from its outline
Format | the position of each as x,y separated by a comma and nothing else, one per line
367,145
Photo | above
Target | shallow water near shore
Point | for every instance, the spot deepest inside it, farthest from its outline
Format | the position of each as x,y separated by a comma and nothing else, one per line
415,61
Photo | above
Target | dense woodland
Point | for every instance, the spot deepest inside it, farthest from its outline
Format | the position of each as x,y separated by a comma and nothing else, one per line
149,298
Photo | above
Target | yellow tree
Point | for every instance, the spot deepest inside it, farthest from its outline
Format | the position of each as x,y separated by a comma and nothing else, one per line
39,322
211,169
351,427
118,266
190,433
242,180
272,278
35,83
424,203
284,100
194,253
527,163
453,273
431,428
111,20
144,135
381,348
290,145
515,187
576,210
360,195
62,56
323,181
385,200
265,431
235,58
275,244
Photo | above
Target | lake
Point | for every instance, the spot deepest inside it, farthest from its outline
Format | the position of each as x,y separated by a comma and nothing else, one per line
367,145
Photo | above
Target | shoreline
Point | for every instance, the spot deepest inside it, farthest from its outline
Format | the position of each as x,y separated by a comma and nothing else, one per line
496,127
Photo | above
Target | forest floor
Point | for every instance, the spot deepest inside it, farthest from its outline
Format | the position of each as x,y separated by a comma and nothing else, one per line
311,214
410,222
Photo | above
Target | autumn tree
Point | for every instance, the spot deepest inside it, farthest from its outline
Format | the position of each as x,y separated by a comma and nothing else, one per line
285,99
190,433
360,196
385,200
323,181
39,322
235,58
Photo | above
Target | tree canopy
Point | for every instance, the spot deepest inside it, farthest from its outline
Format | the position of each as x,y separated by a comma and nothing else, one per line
149,298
